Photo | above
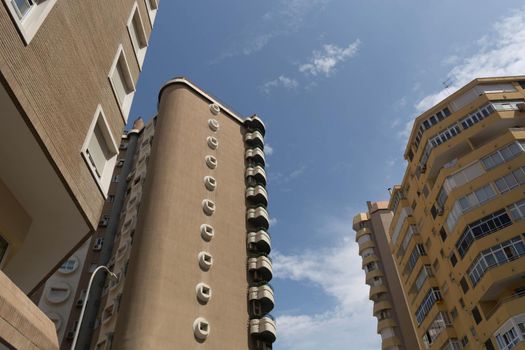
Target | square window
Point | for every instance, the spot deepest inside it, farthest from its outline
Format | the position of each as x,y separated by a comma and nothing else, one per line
137,35
100,151
122,82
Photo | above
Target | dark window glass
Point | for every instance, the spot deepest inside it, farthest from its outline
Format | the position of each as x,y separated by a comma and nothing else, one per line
476,315
464,285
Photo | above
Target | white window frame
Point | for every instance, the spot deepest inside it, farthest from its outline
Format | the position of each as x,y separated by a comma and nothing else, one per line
152,10
140,52
104,180
120,58
29,24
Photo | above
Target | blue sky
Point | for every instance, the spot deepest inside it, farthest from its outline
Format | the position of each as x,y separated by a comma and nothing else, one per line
338,83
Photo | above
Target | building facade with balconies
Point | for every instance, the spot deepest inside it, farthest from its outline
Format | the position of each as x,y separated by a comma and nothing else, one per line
68,72
390,308
457,235
188,219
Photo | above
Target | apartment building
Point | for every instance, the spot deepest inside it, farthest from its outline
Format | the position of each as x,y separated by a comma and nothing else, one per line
186,232
458,232
393,318
68,72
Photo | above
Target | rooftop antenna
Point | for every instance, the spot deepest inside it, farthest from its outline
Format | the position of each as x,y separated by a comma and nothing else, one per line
448,82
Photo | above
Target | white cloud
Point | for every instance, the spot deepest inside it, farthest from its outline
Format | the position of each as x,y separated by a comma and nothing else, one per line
268,150
273,221
325,61
280,81
337,271
500,53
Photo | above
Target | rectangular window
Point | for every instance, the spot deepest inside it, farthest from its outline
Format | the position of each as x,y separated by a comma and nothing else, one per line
137,35
122,82
152,6
476,315
424,308
28,15
100,150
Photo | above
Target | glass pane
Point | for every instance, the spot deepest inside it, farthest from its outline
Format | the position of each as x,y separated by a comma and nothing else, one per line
22,7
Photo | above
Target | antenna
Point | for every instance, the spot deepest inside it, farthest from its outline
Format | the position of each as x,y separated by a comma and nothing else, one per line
448,82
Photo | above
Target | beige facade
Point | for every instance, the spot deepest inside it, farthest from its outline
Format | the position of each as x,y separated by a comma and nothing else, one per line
193,229
390,307
458,231
202,267
67,78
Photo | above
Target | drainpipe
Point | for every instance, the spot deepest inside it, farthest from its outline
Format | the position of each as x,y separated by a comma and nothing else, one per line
86,330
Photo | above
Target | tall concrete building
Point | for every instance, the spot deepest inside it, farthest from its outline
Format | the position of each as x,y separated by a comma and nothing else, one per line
390,307
68,71
186,231
458,231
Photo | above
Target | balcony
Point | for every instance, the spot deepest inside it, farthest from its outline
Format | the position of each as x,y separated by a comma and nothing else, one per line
256,156
369,277
257,195
255,123
254,139
361,232
261,239
385,323
258,217
264,295
358,219
257,174
369,259
376,290
390,343
365,245
263,328
381,305
261,266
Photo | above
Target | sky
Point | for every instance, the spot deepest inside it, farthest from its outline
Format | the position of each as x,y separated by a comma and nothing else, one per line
338,84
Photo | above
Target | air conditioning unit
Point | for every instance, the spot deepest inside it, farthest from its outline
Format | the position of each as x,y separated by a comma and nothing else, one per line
440,210
521,107
80,302
422,168
97,247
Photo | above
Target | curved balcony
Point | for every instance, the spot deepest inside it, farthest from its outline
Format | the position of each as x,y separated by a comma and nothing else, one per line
261,239
263,294
369,276
261,266
255,155
257,195
256,173
365,245
389,343
263,328
367,260
254,139
376,290
385,323
381,305
361,232
358,219
256,124
258,217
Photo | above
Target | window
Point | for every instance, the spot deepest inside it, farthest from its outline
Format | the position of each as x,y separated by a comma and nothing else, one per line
137,35
438,325
488,345
504,154
122,82
430,299
464,285
152,6
480,228
454,313
418,251
29,15
100,150
517,210
494,256
443,234
476,315
3,248
464,341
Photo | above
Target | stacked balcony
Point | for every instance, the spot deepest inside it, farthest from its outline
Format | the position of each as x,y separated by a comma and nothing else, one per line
260,293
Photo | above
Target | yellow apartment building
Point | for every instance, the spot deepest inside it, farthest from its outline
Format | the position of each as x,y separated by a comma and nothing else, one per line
457,235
